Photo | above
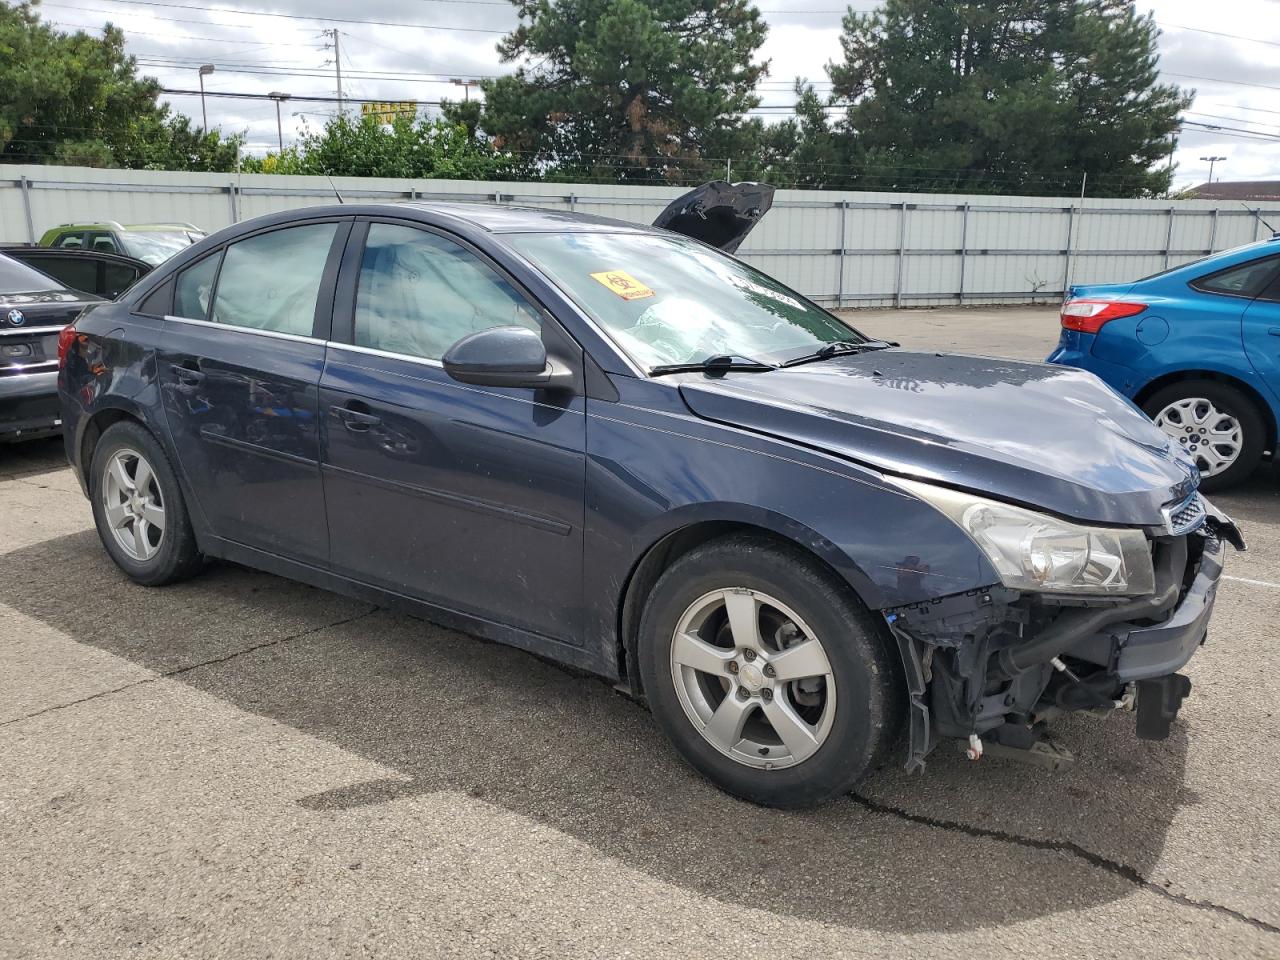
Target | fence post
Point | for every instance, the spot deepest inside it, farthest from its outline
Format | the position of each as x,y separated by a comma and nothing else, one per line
1066,273
844,239
231,196
573,202
902,253
1213,231
964,249
1168,239
26,206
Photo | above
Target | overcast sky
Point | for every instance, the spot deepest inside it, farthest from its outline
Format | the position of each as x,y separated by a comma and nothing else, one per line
1236,79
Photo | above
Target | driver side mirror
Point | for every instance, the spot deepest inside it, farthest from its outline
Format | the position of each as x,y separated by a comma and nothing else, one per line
504,357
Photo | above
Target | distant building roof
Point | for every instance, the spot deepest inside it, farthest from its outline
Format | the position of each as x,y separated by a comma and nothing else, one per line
1237,190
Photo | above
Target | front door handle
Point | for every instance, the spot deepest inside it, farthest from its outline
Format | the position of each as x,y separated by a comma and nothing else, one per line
355,419
188,372
1274,331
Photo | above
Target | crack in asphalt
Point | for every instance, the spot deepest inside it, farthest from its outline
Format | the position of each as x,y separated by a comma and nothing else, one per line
1114,867
192,666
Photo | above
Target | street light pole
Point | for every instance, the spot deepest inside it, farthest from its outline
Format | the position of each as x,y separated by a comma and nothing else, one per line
204,115
1212,161
466,86
279,97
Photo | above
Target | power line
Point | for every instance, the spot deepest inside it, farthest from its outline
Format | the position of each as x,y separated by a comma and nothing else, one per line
1236,83
1217,33
285,16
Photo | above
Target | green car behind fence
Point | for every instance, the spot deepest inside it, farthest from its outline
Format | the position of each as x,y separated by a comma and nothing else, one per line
151,242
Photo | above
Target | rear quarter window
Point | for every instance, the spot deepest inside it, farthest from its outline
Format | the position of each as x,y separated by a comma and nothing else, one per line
1242,280
194,290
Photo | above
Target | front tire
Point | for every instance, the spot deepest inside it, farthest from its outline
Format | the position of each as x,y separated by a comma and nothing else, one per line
766,673
138,507
1216,424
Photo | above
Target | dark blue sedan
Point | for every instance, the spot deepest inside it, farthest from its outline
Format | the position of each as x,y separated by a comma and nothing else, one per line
624,450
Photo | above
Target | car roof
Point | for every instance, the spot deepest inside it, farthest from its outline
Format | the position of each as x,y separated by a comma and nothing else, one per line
136,227
498,218
475,216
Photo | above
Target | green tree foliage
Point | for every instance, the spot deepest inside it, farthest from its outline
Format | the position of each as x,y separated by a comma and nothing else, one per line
77,99
353,146
632,90
1004,96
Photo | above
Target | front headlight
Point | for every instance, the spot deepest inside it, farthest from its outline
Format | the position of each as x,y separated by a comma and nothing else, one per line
1033,551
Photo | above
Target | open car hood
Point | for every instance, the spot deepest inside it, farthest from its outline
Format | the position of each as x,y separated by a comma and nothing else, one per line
1052,437
718,213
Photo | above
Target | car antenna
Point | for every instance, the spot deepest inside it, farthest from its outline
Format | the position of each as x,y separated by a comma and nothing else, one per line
334,189
1258,213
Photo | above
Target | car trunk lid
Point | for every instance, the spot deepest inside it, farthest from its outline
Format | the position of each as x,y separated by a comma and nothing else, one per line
718,213
29,327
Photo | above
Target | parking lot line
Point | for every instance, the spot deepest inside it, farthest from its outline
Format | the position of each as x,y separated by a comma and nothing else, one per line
1252,583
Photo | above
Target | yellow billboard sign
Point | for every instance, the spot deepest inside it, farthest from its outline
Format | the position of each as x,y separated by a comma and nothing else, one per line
388,110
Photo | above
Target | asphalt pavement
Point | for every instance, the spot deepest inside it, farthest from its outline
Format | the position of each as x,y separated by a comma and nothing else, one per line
239,766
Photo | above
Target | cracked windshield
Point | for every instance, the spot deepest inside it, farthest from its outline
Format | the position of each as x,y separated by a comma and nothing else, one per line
668,300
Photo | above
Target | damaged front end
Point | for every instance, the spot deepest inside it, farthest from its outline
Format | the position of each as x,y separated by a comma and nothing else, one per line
991,668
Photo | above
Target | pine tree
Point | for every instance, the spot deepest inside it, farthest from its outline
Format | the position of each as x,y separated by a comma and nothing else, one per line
624,89
1005,96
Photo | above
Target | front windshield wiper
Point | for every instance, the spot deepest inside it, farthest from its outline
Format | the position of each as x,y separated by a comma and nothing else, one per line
720,364
840,348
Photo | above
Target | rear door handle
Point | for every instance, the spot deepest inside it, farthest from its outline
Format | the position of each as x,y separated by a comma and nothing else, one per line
187,372
355,420
1274,331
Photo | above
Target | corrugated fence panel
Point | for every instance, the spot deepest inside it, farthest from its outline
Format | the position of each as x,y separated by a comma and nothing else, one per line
872,249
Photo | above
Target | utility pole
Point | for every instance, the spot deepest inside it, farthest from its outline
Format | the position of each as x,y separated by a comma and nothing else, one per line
204,115
279,97
337,65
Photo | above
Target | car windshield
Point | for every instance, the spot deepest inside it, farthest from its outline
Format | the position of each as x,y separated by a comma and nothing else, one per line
155,247
670,300
17,277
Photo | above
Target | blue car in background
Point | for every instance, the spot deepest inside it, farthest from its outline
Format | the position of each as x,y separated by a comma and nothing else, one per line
1196,347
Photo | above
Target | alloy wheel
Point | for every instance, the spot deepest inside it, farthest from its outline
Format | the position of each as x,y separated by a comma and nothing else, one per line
133,503
1212,437
752,678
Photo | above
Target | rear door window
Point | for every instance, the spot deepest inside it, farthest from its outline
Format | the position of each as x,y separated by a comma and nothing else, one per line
103,243
1243,280
272,281
75,270
420,293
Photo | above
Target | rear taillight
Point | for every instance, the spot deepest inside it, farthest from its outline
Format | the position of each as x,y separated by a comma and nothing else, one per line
66,337
1088,316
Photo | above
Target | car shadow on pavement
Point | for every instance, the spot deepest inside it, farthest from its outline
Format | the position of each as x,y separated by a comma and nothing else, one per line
963,846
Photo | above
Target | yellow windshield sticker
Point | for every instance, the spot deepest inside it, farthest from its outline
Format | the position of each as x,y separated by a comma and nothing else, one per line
623,284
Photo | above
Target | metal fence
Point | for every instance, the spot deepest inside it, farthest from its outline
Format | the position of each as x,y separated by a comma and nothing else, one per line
841,248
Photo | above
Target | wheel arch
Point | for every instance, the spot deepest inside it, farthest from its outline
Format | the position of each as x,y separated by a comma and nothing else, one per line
120,409
676,543
1260,402
96,425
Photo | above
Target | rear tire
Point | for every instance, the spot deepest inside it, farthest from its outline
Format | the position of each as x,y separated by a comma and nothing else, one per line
138,507
776,731
1191,412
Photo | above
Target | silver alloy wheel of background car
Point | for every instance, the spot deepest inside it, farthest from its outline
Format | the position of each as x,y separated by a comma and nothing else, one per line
1213,438
133,504
753,679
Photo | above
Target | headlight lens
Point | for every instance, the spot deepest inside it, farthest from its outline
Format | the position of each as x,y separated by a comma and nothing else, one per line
1033,551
